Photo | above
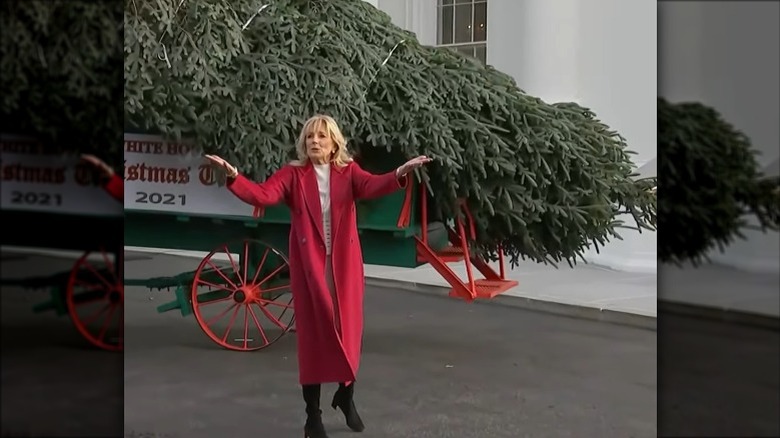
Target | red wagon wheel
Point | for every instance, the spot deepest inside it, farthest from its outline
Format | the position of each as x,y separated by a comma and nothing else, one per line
95,298
250,282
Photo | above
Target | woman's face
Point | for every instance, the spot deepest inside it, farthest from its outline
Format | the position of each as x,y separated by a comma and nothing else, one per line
319,145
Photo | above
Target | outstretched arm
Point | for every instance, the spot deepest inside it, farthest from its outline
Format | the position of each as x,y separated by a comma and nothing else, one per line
369,186
113,182
115,188
272,191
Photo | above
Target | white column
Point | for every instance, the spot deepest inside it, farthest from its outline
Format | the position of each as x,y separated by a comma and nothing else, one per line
617,56
536,42
600,54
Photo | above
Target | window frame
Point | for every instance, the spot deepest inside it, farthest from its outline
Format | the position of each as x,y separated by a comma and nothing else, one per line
474,46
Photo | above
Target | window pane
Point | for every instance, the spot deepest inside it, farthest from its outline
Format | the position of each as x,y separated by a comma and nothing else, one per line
481,54
445,25
480,22
465,50
461,2
445,2
463,24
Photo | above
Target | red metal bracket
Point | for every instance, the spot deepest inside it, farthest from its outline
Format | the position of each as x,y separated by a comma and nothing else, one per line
490,286
405,216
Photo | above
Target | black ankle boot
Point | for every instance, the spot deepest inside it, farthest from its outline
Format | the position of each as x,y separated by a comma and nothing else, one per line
313,427
343,399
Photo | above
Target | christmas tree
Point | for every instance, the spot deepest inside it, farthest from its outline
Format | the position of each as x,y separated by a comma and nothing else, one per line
711,182
546,181
60,76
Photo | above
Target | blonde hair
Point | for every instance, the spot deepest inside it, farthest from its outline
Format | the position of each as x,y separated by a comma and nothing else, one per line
340,157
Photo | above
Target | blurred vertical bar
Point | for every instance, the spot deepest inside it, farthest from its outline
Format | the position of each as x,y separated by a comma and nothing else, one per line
719,320
61,127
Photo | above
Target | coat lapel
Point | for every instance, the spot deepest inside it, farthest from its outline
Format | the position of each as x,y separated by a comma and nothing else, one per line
339,184
311,196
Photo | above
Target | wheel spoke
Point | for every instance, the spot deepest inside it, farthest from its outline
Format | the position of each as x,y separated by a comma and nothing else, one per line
230,324
260,265
246,326
259,326
107,323
89,286
270,316
97,274
108,264
276,271
232,263
272,289
77,301
218,300
246,262
213,285
219,271
97,314
263,303
221,314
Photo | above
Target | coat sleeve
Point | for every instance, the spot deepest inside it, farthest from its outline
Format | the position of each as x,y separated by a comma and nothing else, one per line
115,188
368,186
265,194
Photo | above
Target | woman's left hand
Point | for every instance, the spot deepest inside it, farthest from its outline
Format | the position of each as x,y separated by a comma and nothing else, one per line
412,164
99,164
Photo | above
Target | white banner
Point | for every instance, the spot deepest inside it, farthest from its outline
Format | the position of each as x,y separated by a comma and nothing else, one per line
32,181
174,177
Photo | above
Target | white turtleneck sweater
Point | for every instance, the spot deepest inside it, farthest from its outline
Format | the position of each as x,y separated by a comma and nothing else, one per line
323,182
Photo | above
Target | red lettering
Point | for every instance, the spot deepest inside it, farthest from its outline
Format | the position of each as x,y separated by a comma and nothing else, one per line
157,174
32,174
207,175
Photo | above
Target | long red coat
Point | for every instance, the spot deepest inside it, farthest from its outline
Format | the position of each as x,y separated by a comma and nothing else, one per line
322,356
115,188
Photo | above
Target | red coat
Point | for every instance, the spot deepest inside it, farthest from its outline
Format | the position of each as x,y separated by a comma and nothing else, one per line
322,358
116,188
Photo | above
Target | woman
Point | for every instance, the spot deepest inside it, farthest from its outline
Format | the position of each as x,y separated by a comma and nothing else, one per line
112,183
326,263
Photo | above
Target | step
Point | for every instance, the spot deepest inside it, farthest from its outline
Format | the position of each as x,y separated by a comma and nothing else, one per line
450,254
488,288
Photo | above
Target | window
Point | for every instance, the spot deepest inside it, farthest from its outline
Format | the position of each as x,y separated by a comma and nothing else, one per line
463,27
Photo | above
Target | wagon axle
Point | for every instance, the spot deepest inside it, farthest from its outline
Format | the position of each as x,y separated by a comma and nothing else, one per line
247,294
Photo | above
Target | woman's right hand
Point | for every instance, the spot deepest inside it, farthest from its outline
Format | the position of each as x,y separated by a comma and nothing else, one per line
229,169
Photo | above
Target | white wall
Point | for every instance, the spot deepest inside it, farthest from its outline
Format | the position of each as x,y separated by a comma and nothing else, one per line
599,53
727,55
418,16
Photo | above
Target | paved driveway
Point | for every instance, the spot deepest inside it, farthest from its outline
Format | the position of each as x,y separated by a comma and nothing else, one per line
432,367
53,383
